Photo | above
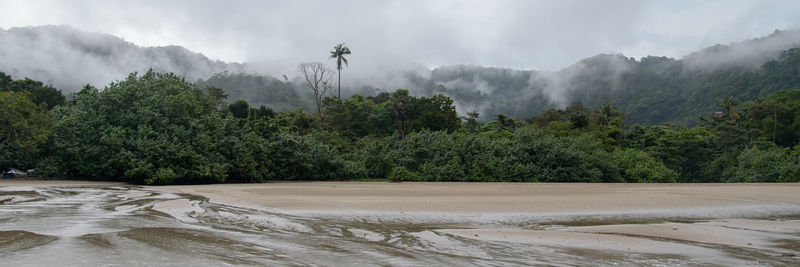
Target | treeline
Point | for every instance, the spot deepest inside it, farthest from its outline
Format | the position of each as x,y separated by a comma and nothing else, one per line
158,129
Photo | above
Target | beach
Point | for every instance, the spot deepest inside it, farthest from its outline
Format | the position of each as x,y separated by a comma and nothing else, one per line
497,198
694,223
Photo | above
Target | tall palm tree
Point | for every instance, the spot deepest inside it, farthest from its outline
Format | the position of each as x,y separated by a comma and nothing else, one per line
338,53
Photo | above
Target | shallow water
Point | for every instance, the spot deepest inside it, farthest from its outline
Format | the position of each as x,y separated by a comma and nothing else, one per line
128,226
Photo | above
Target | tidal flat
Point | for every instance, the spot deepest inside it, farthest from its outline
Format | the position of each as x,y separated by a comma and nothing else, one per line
373,223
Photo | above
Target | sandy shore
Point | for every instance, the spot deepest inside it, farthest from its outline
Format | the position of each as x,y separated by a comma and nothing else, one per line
735,216
47,183
677,219
499,198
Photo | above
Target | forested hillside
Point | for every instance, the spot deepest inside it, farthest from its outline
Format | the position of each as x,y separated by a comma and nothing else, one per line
158,129
650,90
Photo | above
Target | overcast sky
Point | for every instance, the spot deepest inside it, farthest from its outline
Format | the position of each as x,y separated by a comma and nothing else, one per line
542,35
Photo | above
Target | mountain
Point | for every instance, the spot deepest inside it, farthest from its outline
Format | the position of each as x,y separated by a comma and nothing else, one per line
650,90
69,58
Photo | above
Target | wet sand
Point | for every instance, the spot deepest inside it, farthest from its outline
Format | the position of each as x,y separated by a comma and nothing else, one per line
691,221
497,198
49,183
674,219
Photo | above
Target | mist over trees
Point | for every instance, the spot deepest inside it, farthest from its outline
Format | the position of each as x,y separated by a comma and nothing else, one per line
69,58
607,118
280,95
159,129
651,90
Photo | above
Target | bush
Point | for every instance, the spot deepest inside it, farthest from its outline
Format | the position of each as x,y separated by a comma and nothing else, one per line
24,128
402,174
768,164
638,167
153,129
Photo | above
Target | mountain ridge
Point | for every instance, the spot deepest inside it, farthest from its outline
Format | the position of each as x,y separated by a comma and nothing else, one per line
69,58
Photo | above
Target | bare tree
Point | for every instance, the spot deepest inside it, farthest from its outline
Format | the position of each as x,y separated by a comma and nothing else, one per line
318,78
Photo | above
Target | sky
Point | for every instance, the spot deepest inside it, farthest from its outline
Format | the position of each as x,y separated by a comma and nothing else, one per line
526,34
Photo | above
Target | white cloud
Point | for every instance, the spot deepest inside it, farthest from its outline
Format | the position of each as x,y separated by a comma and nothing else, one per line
519,34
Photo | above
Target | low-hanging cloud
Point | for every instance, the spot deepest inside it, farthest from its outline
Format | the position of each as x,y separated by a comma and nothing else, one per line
69,58
558,86
749,54
542,35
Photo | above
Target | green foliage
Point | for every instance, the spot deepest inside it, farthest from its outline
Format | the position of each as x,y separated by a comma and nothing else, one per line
280,95
767,164
435,113
639,167
525,156
38,92
239,109
158,129
24,128
650,91
153,129
244,144
402,174
296,122
722,168
218,94
302,158
684,150
357,117
5,81
777,118
375,157
401,106
471,121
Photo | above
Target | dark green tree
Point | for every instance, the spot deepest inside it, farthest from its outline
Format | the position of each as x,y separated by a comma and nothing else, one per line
729,105
776,118
471,121
401,104
24,127
239,109
39,93
5,82
357,117
218,94
152,129
436,113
